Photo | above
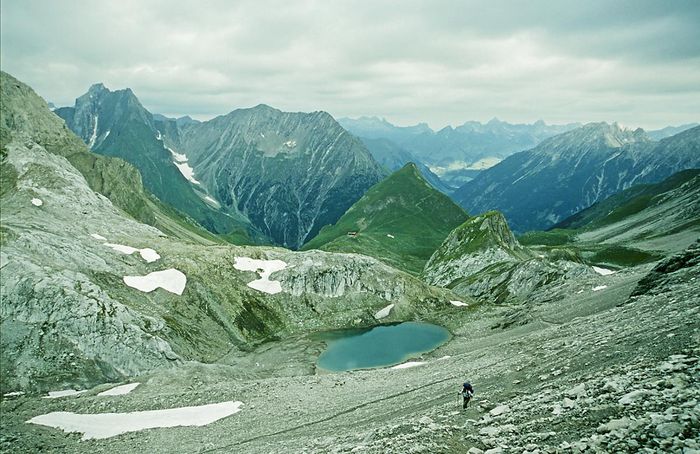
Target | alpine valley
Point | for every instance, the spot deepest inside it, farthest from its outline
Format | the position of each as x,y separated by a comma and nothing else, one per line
168,284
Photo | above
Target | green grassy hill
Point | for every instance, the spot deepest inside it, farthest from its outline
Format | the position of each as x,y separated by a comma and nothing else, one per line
401,221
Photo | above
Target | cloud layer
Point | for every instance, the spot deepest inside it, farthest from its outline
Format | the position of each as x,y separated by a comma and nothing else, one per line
443,62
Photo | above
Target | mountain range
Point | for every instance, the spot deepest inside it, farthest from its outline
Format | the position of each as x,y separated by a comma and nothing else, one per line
254,175
121,313
538,188
114,123
457,154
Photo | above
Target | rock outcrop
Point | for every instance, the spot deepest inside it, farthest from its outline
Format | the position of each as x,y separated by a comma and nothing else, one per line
482,259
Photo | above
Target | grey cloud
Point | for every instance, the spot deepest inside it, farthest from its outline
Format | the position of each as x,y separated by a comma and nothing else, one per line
443,62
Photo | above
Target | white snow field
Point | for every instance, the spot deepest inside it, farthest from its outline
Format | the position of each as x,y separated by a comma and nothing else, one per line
600,287
264,268
180,161
172,280
212,201
13,394
37,202
603,271
458,303
147,254
63,393
384,312
120,390
97,236
390,235
93,137
105,425
409,364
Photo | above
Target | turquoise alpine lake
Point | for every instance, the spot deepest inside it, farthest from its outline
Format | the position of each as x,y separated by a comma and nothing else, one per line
381,346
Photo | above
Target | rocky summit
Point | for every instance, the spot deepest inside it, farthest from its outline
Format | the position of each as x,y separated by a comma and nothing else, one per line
115,123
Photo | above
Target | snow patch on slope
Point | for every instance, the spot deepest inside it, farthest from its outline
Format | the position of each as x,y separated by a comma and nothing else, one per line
63,393
264,268
384,312
93,138
603,271
147,254
409,364
105,425
37,202
180,161
120,390
172,280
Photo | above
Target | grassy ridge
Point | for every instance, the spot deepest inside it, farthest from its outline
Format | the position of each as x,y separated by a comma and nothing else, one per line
404,206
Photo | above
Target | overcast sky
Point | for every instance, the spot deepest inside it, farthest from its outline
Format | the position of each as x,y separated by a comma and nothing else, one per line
441,62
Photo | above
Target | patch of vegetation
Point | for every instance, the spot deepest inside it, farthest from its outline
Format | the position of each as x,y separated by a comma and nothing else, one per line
8,177
623,256
556,237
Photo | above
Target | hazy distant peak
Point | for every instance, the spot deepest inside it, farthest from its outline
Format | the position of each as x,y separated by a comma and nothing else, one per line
611,135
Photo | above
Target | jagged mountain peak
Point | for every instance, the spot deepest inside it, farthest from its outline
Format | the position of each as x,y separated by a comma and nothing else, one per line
97,88
573,170
488,230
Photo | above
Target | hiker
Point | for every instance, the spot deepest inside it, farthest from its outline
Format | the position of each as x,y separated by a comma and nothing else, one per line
467,393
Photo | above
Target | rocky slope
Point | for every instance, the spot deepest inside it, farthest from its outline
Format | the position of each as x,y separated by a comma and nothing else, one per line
289,173
632,201
537,188
482,259
400,221
114,123
590,372
24,116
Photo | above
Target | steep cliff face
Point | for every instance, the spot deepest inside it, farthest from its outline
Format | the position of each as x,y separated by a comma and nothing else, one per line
482,259
289,173
537,188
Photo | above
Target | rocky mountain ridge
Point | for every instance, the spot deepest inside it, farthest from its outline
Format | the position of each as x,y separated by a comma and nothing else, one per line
482,259
537,188
289,173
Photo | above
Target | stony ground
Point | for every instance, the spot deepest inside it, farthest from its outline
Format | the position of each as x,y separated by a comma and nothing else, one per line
572,372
